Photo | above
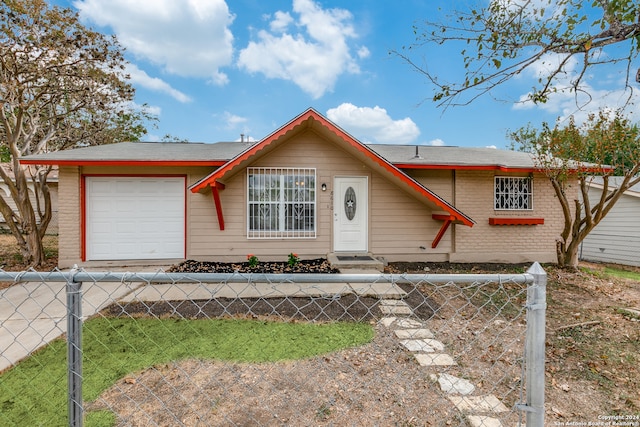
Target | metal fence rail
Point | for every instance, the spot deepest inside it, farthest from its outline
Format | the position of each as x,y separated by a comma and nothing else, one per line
458,349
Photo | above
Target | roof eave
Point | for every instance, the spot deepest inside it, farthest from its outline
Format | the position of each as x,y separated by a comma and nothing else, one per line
54,162
501,168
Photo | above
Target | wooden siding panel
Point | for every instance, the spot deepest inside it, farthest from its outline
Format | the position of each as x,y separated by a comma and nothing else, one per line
403,225
438,181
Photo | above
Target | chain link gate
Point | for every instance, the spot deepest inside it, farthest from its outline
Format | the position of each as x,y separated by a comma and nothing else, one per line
268,349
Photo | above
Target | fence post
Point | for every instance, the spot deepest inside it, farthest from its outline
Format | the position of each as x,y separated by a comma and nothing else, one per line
535,345
74,349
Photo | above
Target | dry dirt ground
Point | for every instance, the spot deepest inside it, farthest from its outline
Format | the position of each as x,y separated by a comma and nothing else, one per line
592,369
12,260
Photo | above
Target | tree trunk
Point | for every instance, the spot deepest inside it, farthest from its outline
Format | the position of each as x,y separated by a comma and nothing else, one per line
35,248
27,223
567,254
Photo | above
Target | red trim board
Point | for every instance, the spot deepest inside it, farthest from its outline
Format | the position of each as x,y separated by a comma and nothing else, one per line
516,221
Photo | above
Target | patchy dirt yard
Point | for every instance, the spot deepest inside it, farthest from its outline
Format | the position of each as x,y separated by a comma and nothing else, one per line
592,369
593,341
593,353
12,260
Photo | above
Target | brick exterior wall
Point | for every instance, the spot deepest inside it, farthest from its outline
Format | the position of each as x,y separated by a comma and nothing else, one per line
474,195
69,217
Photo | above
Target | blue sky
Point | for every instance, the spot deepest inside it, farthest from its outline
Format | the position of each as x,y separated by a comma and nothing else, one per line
212,70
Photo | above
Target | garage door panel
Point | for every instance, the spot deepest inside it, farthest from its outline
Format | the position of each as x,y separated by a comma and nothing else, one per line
101,187
172,229
135,218
125,229
126,250
103,206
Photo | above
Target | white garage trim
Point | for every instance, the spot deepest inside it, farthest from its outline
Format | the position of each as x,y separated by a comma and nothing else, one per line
133,217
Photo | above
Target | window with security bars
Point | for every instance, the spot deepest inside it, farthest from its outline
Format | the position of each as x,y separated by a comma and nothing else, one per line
281,203
513,193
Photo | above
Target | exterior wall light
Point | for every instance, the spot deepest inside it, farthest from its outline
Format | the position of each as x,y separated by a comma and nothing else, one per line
323,187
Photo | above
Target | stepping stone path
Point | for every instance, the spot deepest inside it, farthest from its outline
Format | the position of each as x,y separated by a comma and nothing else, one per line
430,353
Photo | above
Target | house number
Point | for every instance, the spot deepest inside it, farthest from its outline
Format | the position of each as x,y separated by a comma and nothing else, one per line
350,203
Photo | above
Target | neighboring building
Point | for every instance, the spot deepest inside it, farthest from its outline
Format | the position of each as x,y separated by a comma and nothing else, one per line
308,188
616,239
52,181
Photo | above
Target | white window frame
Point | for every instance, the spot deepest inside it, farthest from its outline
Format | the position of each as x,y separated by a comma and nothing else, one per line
513,193
283,206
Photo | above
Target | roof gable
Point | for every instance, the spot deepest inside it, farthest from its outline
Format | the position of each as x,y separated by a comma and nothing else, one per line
311,119
614,183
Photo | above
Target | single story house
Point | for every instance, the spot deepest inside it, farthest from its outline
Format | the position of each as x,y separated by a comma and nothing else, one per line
309,188
616,239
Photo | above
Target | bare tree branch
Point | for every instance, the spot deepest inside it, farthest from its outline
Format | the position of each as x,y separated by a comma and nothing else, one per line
503,39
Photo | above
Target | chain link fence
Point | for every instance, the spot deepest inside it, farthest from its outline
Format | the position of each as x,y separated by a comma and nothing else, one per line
190,349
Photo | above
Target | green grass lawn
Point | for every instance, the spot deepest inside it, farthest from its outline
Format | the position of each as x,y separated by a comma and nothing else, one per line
35,391
623,274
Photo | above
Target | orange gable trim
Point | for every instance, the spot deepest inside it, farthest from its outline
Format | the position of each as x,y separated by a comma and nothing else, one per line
309,116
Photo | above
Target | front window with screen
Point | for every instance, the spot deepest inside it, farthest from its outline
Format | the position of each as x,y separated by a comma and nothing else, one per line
513,193
281,203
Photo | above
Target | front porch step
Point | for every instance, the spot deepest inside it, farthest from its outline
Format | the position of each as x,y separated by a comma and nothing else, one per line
350,262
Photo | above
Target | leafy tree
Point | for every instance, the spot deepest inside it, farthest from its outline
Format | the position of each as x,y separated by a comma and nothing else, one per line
504,38
171,138
62,85
606,145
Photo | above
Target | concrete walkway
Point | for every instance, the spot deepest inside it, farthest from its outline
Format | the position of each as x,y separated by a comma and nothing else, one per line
203,291
479,409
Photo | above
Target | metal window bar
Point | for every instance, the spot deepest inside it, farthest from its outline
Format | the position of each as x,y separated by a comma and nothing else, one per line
281,203
513,193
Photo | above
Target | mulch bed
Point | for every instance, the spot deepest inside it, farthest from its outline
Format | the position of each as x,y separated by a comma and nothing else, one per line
319,265
346,307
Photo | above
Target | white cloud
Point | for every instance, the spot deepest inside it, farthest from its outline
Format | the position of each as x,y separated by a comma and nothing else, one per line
281,21
232,121
141,78
363,52
188,38
437,142
609,94
373,124
313,57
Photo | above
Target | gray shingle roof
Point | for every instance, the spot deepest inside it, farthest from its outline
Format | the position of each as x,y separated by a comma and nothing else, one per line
146,151
458,156
223,151
614,182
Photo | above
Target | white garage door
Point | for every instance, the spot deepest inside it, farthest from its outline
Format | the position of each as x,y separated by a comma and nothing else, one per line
135,218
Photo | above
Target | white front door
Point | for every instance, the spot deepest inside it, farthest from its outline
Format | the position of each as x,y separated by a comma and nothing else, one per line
350,214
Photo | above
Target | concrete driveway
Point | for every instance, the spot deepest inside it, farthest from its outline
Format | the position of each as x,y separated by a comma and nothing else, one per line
33,314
